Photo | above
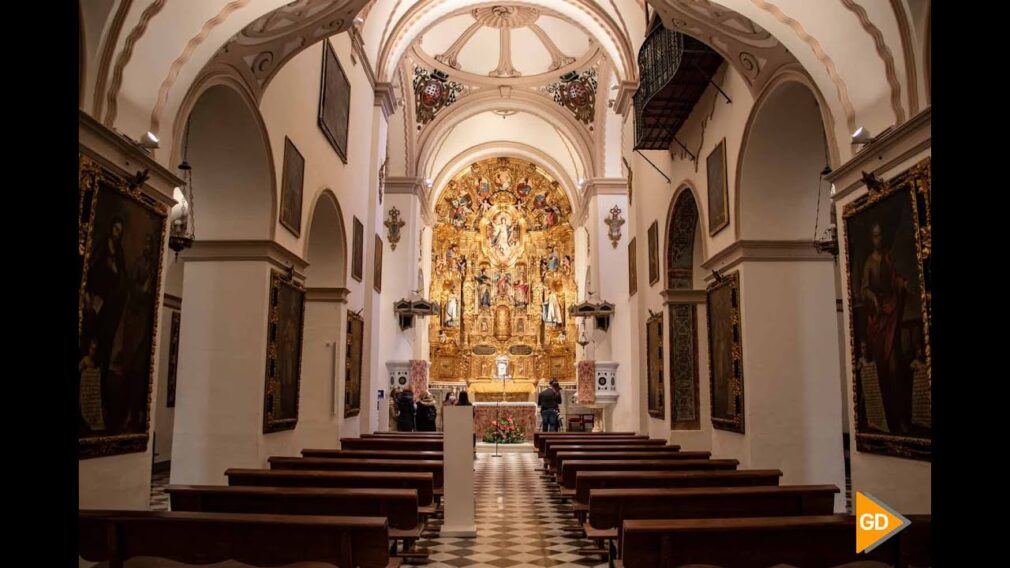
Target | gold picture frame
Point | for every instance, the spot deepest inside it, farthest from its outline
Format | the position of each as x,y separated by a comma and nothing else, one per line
654,366
352,365
718,189
377,268
653,253
120,231
285,328
632,267
725,352
888,252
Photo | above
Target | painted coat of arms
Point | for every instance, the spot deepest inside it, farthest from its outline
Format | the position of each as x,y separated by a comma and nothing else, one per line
432,92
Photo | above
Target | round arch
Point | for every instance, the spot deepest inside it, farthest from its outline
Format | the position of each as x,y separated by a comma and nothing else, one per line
684,245
234,182
507,150
584,13
326,243
786,144
443,125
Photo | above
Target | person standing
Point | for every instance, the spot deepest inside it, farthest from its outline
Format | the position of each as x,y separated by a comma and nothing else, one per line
427,413
549,402
450,400
394,397
405,405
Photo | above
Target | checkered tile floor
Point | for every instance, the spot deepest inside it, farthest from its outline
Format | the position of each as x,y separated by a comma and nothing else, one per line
520,521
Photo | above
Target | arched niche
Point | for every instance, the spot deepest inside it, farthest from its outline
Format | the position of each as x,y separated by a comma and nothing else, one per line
779,189
683,257
233,175
326,249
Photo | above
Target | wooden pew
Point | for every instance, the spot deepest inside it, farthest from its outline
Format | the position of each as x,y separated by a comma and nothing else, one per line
422,482
402,443
398,506
539,437
572,467
584,439
642,454
437,435
810,542
613,441
372,454
609,508
256,539
631,446
586,481
436,468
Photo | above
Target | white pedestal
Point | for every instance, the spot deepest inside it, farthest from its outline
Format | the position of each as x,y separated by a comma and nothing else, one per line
457,446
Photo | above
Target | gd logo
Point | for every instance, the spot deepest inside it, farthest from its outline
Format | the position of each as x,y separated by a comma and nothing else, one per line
875,522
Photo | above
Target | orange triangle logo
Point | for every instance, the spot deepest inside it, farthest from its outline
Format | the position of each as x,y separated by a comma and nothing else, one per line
875,522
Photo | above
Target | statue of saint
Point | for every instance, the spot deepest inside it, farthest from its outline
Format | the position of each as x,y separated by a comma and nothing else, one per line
552,309
452,312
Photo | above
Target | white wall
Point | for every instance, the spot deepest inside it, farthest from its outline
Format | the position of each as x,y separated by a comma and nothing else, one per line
164,417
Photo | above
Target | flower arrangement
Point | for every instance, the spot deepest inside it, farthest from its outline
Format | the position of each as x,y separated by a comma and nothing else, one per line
505,431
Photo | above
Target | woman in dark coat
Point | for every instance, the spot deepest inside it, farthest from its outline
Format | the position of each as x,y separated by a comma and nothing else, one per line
427,413
405,421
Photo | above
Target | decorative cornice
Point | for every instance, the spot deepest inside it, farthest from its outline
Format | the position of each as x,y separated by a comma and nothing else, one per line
245,251
912,136
764,251
625,97
605,186
385,98
683,296
173,302
117,152
412,186
331,295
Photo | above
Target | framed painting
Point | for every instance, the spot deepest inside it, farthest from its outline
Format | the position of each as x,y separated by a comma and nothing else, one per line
173,357
718,192
121,235
377,269
358,250
352,375
292,185
685,409
653,253
284,353
334,102
654,365
632,268
888,245
725,352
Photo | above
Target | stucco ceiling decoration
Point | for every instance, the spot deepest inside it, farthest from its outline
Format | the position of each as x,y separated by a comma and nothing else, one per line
505,42
751,49
263,46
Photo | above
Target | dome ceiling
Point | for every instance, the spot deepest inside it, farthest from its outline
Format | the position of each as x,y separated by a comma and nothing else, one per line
505,42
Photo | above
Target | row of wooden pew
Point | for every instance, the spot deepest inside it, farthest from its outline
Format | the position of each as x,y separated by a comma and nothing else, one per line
649,504
365,505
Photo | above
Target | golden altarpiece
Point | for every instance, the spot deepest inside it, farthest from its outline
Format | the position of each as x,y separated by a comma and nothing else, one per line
503,277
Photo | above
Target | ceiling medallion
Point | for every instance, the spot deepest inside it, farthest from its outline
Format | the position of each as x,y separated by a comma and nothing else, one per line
577,93
432,92
506,17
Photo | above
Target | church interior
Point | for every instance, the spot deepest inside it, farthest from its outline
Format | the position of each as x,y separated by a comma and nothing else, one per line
659,270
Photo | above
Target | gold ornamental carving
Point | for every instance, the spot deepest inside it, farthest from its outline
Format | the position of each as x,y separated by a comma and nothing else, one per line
502,273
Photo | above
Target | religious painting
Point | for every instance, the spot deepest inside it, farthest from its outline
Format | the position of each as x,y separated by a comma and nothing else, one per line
292,182
654,365
718,192
121,232
377,269
725,352
358,250
653,253
632,267
334,102
352,375
284,353
888,251
173,357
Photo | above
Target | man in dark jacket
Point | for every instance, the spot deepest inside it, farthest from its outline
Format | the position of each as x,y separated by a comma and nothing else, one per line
405,421
549,402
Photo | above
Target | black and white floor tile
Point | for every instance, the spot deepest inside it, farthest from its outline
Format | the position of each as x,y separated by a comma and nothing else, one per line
521,522
159,499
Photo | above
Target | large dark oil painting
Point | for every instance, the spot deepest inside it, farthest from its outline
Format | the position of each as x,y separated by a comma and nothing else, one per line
726,353
284,353
352,377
